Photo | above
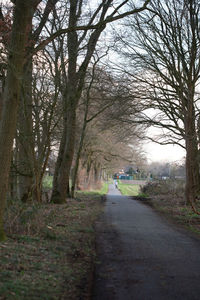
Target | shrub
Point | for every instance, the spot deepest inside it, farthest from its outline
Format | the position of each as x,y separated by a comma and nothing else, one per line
164,187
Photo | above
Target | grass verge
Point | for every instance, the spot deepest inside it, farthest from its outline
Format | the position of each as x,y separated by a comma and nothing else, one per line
50,250
129,189
103,190
167,197
177,211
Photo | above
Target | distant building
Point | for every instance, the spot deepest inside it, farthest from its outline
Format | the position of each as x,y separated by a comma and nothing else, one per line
122,176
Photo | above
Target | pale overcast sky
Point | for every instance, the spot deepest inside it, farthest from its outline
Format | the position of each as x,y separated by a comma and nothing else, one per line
169,153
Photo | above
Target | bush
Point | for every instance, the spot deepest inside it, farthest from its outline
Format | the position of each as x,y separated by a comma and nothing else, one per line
164,187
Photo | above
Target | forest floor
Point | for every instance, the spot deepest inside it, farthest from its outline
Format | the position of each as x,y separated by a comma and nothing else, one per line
50,249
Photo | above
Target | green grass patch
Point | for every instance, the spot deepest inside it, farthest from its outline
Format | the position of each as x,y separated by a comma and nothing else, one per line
103,190
129,189
51,254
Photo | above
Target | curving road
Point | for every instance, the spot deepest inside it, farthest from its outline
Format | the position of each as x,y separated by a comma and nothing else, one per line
141,256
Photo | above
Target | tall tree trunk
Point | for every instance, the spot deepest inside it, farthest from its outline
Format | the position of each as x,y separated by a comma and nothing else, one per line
29,168
25,136
80,147
192,172
55,197
65,157
70,101
73,92
97,172
64,175
88,173
75,171
192,188
11,97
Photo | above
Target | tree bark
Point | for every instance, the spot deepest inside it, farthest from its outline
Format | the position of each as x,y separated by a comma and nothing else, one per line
76,78
55,197
192,187
25,136
80,147
64,175
65,157
11,97
30,163
71,99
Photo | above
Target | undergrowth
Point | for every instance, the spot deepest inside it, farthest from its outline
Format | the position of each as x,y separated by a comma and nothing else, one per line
168,198
50,249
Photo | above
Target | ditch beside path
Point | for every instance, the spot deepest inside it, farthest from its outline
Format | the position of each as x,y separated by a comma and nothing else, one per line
141,256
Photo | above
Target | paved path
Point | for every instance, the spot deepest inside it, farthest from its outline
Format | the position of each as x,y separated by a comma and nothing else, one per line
141,256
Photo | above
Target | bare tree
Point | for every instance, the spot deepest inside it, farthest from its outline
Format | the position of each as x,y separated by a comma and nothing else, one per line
165,57
108,142
76,73
96,98
18,57
22,13
28,186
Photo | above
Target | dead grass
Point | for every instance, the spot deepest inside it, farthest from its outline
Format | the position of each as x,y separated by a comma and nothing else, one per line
176,209
50,250
168,198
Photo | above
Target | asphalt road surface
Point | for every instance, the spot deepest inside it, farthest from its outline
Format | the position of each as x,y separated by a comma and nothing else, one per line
141,256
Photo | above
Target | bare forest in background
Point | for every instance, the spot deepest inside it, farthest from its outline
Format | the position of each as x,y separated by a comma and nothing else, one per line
77,82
